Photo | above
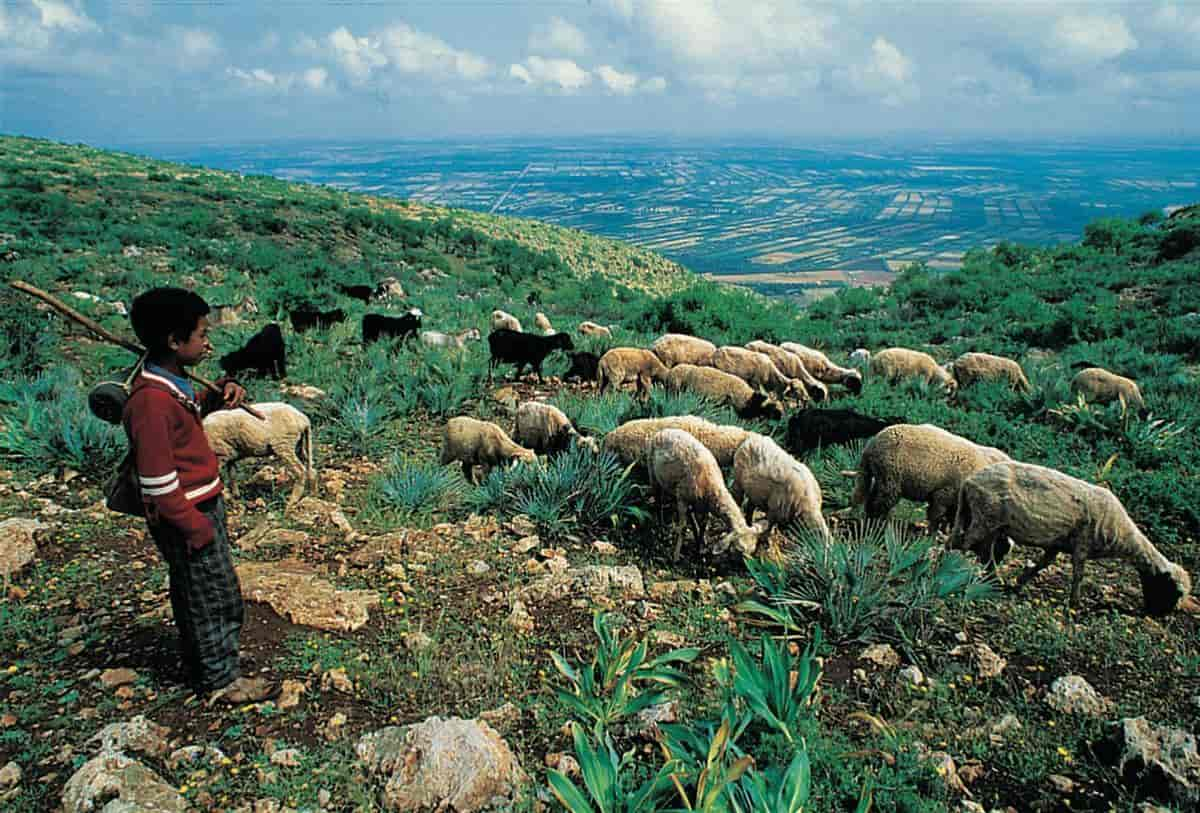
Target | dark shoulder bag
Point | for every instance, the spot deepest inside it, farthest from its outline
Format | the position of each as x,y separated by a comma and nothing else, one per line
122,492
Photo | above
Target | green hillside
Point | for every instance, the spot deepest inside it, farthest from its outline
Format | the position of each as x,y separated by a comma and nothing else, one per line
448,562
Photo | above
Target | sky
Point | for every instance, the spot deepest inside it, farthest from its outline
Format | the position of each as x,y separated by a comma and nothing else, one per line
124,72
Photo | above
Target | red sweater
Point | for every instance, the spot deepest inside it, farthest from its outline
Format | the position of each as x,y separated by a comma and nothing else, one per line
176,466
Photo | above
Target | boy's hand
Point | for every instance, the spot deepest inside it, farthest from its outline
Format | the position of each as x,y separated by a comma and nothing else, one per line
233,394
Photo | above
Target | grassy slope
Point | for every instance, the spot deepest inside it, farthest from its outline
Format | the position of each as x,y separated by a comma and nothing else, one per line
1118,299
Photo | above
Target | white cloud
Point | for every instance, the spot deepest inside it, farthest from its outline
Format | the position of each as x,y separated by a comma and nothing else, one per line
398,49
887,75
198,45
558,37
51,37
1089,39
616,81
316,79
260,79
563,74
655,84
55,14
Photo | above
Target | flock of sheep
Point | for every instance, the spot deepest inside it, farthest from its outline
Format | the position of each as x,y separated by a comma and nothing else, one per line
987,501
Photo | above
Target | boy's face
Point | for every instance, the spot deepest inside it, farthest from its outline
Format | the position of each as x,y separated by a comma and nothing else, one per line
196,348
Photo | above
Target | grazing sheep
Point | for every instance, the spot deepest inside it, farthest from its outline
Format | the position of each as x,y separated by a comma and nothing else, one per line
388,288
431,338
811,428
376,326
1033,505
514,347
505,321
546,429
264,353
479,443
593,329
896,363
792,366
542,323
677,348
624,364
630,440
922,462
305,317
971,367
232,314
860,358
1099,385
725,388
680,467
757,370
824,370
286,433
767,477
584,367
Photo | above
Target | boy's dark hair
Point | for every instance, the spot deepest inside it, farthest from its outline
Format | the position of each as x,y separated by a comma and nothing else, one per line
162,313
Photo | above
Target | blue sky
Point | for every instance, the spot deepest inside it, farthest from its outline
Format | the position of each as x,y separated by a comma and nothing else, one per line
134,71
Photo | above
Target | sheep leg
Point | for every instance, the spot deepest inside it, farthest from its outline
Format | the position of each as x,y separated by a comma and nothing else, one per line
230,480
287,454
468,472
1078,559
938,512
680,527
1047,559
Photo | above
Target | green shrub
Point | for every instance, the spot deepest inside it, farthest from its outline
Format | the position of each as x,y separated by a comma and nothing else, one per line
416,489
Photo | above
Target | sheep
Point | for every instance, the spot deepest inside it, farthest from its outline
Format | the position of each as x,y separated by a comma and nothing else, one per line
388,288
811,428
285,433
1032,505
767,477
514,347
593,329
630,440
432,338
791,366
896,363
919,462
971,367
624,364
757,370
1099,385
677,348
479,443
824,370
264,353
232,314
546,429
584,367
680,467
543,324
725,388
306,317
376,326
860,358
505,321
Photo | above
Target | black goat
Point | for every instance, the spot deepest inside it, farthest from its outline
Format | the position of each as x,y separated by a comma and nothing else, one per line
515,347
376,325
264,353
305,317
363,292
584,367
811,428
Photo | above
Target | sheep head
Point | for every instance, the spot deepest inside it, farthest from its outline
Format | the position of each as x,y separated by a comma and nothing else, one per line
562,341
762,406
744,540
1163,590
853,382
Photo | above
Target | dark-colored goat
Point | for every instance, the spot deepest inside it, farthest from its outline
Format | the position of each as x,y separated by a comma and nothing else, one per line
515,347
584,367
363,292
376,325
305,317
264,354
811,428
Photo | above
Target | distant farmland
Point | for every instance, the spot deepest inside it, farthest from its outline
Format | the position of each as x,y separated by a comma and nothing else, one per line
785,220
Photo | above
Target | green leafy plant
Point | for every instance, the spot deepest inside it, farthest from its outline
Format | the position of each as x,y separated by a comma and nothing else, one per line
607,780
410,488
776,690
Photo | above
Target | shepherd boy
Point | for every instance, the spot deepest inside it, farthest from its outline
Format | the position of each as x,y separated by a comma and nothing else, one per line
181,489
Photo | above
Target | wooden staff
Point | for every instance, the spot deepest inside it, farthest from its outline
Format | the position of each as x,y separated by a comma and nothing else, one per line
71,313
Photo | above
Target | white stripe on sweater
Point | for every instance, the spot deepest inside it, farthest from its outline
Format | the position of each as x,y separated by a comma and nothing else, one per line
159,481
158,492
196,492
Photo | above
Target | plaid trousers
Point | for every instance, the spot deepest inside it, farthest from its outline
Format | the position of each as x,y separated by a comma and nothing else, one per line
206,600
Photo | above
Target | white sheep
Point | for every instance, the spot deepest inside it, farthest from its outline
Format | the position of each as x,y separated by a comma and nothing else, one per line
479,443
860,358
232,314
389,288
625,364
501,319
546,429
757,370
824,370
971,367
1099,385
543,323
593,329
682,469
724,388
896,363
792,366
286,433
922,462
767,477
432,338
678,348
631,439
1032,505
